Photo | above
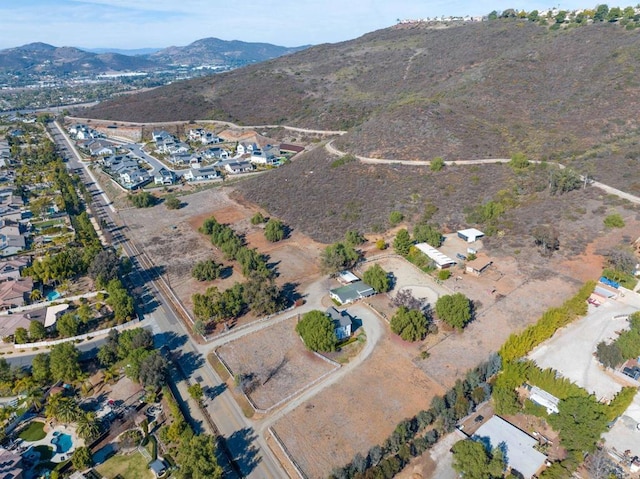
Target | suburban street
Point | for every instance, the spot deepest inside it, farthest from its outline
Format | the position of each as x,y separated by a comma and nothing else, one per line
249,450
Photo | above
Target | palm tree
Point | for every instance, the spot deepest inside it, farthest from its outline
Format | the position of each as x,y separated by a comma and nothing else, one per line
62,409
35,399
87,426
36,295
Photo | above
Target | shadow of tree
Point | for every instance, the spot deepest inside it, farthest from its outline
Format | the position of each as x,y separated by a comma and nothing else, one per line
245,454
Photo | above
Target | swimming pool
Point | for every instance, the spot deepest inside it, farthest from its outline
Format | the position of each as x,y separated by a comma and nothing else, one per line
53,295
62,442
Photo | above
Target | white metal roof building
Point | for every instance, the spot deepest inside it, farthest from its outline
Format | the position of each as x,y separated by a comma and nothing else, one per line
470,234
347,277
516,445
440,259
544,399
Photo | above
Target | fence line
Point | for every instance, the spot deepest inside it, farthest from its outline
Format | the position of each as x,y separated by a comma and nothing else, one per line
82,337
284,449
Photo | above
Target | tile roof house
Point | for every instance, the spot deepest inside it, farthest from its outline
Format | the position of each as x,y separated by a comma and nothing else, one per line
10,465
15,293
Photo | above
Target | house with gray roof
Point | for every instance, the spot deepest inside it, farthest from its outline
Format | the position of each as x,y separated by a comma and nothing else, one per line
516,445
351,292
342,322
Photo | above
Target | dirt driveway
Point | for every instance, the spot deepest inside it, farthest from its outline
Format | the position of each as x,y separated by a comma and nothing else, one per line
570,350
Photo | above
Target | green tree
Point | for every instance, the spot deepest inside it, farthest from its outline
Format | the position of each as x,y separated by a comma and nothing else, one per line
580,422
67,325
40,368
402,242
21,336
172,202
437,164
493,15
153,370
338,256
472,460
104,267
82,458
262,295
533,16
454,309
519,161
274,230
601,13
87,426
257,219
317,331
206,270
120,301
62,408
197,458
354,238
143,199
426,233
609,355
377,278
615,13
409,324
64,363
395,218
196,391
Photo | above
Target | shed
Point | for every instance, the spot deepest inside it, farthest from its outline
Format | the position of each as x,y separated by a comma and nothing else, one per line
478,265
351,292
544,399
158,467
517,446
346,277
441,260
470,235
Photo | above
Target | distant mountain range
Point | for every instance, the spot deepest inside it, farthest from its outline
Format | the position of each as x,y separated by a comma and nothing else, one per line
44,59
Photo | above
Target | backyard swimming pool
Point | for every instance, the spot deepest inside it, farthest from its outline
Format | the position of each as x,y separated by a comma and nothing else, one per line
62,442
53,295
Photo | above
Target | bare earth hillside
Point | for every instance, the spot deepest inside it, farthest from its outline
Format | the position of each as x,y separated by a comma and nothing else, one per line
478,90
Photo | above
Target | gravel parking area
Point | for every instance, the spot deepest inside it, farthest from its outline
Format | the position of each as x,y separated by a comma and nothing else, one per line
570,350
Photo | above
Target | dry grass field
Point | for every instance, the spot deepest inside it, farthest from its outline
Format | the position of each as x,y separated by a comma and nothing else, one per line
359,411
171,240
278,370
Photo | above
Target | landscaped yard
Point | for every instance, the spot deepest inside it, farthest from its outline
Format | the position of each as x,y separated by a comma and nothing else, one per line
33,432
132,466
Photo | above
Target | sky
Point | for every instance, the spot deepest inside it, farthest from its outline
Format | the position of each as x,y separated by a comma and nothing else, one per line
132,24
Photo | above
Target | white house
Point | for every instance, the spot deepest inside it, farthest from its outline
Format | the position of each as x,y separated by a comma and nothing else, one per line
235,167
441,260
202,174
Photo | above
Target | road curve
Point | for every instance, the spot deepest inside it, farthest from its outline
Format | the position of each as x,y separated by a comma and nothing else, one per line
374,331
215,122
608,189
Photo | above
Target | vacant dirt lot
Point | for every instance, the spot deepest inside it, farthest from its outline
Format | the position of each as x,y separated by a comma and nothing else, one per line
171,240
358,412
276,371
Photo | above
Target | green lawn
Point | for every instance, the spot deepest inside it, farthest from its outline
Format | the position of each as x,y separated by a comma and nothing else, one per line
34,432
133,466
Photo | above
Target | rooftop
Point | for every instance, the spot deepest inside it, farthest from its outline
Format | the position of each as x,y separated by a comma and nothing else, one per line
438,257
516,445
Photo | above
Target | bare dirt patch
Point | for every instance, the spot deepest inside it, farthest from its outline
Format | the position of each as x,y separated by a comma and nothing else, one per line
171,240
276,371
358,412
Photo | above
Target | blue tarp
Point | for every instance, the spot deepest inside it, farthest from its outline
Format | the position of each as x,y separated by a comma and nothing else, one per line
609,282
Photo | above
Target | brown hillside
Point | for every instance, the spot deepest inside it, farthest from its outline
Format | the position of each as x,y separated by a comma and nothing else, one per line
477,90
